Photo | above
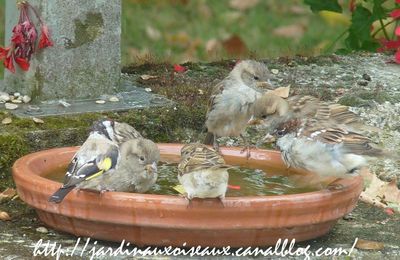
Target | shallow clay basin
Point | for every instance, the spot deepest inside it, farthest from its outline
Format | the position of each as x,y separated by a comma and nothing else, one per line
147,219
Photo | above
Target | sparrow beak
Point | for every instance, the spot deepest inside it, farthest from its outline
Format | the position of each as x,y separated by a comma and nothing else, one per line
265,84
255,121
151,168
269,139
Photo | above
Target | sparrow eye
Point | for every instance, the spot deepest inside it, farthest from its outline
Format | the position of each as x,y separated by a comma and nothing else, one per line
141,158
256,78
264,116
280,132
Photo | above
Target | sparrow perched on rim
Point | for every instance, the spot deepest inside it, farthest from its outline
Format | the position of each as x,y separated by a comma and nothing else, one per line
136,171
231,103
324,148
202,172
98,154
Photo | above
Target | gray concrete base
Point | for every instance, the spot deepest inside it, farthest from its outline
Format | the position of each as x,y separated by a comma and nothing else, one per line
130,97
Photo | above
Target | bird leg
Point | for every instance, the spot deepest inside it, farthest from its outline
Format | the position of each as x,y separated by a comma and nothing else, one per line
189,200
221,200
215,144
247,146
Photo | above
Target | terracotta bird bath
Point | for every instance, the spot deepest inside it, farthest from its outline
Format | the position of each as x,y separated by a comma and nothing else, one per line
147,219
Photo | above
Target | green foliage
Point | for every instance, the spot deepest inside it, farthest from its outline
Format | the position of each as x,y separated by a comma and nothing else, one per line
327,5
361,34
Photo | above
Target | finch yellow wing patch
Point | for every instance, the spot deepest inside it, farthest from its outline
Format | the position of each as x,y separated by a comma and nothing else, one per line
105,164
180,189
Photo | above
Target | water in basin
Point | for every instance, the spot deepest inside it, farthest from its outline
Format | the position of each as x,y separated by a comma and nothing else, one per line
243,181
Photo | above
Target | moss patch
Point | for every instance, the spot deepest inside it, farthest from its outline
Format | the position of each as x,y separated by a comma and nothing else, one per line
12,146
88,30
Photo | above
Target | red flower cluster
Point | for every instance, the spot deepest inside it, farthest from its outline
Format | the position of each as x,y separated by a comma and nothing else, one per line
393,44
23,40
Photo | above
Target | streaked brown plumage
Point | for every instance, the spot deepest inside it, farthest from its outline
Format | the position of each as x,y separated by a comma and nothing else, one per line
202,172
274,110
323,147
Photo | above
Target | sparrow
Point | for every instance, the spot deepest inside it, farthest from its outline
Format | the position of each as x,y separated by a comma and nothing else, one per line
136,171
202,172
274,110
232,100
124,132
324,148
98,154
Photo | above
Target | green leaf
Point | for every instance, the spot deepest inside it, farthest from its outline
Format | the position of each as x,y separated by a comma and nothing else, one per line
361,22
378,11
324,5
359,37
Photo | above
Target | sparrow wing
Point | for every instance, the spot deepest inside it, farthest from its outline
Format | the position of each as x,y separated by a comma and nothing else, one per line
217,90
351,142
197,157
342,114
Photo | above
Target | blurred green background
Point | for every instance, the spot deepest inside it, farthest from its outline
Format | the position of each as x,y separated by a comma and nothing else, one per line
205,30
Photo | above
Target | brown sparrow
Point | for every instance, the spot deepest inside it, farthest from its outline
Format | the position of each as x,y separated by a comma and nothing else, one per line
323,147
202,172
275,110
231,103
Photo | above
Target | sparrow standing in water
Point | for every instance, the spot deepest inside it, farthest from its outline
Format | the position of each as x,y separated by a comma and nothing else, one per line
100,153
324,148
136,170
202,172
232,100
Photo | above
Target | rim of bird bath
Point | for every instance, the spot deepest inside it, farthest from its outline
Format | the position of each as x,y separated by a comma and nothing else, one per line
165,220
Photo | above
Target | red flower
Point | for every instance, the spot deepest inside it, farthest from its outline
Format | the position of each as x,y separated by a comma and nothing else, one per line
389,44
397,31
4,52
44,40
22,63
397,56
398,1
17,36
179,68
395,14
9,63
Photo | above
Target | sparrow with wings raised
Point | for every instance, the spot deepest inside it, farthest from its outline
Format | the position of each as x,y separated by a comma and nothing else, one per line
275,110
232,100
202,172
98,154
324,148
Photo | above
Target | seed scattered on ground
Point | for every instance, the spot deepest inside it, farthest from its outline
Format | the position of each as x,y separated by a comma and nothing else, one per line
42,230
4,216
37,120
6,121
